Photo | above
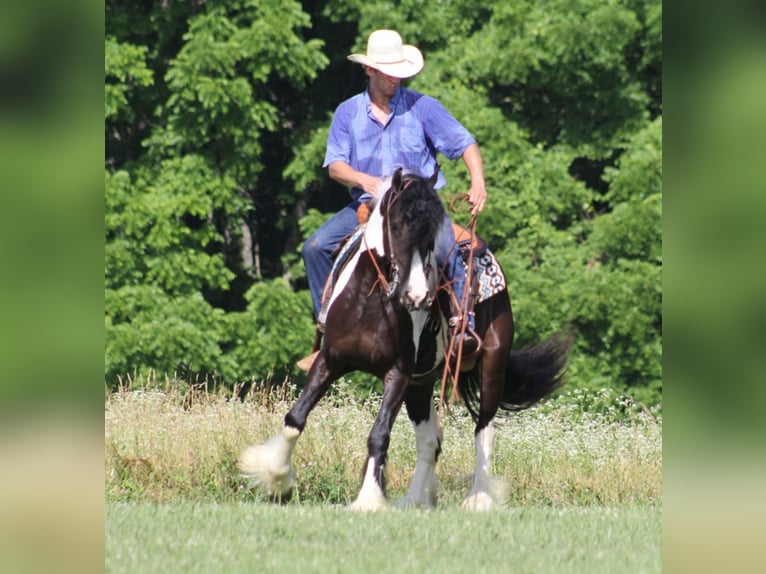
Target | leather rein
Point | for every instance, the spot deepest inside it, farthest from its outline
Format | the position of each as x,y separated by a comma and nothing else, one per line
388,288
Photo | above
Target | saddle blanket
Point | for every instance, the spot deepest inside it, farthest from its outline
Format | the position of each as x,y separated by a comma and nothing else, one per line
489,277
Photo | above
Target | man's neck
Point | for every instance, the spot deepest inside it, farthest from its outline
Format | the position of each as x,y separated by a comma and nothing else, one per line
380,102
380,99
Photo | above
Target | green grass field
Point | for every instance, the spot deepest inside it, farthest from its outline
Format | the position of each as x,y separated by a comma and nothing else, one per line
584,489
297,538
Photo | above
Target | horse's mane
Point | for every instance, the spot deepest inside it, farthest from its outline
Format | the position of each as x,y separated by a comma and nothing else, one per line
420,207
424,211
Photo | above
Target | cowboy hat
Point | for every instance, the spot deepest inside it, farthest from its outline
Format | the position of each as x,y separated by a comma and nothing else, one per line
386,53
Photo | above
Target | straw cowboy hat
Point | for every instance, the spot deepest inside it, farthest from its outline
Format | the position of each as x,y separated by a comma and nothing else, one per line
386,53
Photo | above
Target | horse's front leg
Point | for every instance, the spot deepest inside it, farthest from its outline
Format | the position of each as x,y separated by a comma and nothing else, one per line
268,464
420,409
372,494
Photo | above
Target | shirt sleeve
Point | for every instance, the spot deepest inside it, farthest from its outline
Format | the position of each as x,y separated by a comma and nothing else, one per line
445,133
339,138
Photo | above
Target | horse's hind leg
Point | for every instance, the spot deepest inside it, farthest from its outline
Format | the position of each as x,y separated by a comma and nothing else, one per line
420,409
268,464
372,494
486,492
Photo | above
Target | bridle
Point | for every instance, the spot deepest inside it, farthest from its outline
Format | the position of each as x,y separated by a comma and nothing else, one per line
389,288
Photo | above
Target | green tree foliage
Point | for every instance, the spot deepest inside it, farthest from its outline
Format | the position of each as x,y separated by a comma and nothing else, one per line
216,121
183,225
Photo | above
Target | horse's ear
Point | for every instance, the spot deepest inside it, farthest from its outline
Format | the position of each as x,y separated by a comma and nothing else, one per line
396,180
432,181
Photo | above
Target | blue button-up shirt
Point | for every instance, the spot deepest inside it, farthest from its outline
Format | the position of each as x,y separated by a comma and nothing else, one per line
418,127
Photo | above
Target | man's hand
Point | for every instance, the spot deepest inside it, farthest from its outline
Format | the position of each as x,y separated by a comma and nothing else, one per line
343,173
477,196
370,184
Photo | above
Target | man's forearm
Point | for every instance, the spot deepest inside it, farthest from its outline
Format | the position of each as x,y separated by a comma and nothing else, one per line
473,161
343,173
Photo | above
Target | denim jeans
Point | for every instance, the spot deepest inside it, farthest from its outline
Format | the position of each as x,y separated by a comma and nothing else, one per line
317,253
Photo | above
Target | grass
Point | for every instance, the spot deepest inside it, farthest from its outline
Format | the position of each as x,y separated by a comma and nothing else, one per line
584,488
177,446
250,537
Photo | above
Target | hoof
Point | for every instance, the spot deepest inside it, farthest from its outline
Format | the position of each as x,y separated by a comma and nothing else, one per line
369,504
406,502
268,465
478,501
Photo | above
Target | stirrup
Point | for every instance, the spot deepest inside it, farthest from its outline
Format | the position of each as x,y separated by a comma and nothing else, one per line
467,341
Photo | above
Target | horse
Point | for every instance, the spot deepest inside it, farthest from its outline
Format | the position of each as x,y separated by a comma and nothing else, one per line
383,321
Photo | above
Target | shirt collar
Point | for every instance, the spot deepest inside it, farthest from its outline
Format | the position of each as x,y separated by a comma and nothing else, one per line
393,104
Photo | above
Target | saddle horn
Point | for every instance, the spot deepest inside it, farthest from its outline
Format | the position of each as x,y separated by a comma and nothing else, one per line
434,177
396,180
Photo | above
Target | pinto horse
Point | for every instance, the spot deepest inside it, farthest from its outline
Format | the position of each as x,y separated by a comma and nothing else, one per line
381,320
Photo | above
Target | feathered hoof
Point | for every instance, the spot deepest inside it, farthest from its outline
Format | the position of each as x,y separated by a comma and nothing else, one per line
257,463
407,502
478,501
369,504
420,496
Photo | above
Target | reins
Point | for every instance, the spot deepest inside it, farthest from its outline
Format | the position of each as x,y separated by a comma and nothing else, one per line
457,203
387,288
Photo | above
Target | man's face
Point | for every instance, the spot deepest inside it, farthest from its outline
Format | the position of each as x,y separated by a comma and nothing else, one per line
382,83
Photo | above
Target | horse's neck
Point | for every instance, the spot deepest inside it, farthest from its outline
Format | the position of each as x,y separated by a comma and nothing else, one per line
373,234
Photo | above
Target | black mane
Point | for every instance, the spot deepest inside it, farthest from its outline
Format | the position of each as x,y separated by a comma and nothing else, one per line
418,209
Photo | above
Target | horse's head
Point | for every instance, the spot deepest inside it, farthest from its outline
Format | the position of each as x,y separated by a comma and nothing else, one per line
411,215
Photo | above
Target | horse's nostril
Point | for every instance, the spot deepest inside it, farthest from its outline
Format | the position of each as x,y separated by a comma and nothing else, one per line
415,301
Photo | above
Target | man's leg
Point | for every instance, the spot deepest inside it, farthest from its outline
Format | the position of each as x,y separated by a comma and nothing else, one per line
317,257
448,256
318,249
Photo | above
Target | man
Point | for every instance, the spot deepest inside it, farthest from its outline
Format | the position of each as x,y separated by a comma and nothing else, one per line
385,127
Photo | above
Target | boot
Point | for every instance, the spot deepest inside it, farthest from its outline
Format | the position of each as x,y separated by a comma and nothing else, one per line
465,337
306,362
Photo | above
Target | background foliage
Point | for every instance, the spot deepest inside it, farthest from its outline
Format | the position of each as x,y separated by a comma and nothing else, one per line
216,117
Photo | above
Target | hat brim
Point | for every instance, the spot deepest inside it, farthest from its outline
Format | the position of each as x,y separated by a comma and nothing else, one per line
410,66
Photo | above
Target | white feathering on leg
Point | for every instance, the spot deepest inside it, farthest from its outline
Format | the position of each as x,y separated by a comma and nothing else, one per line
487,492
424,487
268,464
371,497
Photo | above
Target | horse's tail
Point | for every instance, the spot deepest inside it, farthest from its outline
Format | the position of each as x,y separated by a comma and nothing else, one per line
532,373
535,371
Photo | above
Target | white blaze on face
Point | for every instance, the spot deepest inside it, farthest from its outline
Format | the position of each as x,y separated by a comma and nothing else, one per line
421,284
416,289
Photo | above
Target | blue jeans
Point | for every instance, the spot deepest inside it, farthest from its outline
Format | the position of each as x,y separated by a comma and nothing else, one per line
317,253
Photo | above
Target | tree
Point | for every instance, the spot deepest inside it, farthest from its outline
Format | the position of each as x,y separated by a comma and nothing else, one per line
216,123
184,219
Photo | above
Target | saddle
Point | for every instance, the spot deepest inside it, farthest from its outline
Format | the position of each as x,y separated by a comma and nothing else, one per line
468,243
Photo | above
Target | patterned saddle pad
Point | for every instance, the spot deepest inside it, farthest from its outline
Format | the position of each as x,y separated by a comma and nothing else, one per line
490,279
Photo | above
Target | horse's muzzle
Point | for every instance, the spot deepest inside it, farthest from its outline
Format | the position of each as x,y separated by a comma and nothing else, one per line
414,302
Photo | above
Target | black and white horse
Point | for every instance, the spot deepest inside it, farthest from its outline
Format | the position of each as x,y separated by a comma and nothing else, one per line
381,321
